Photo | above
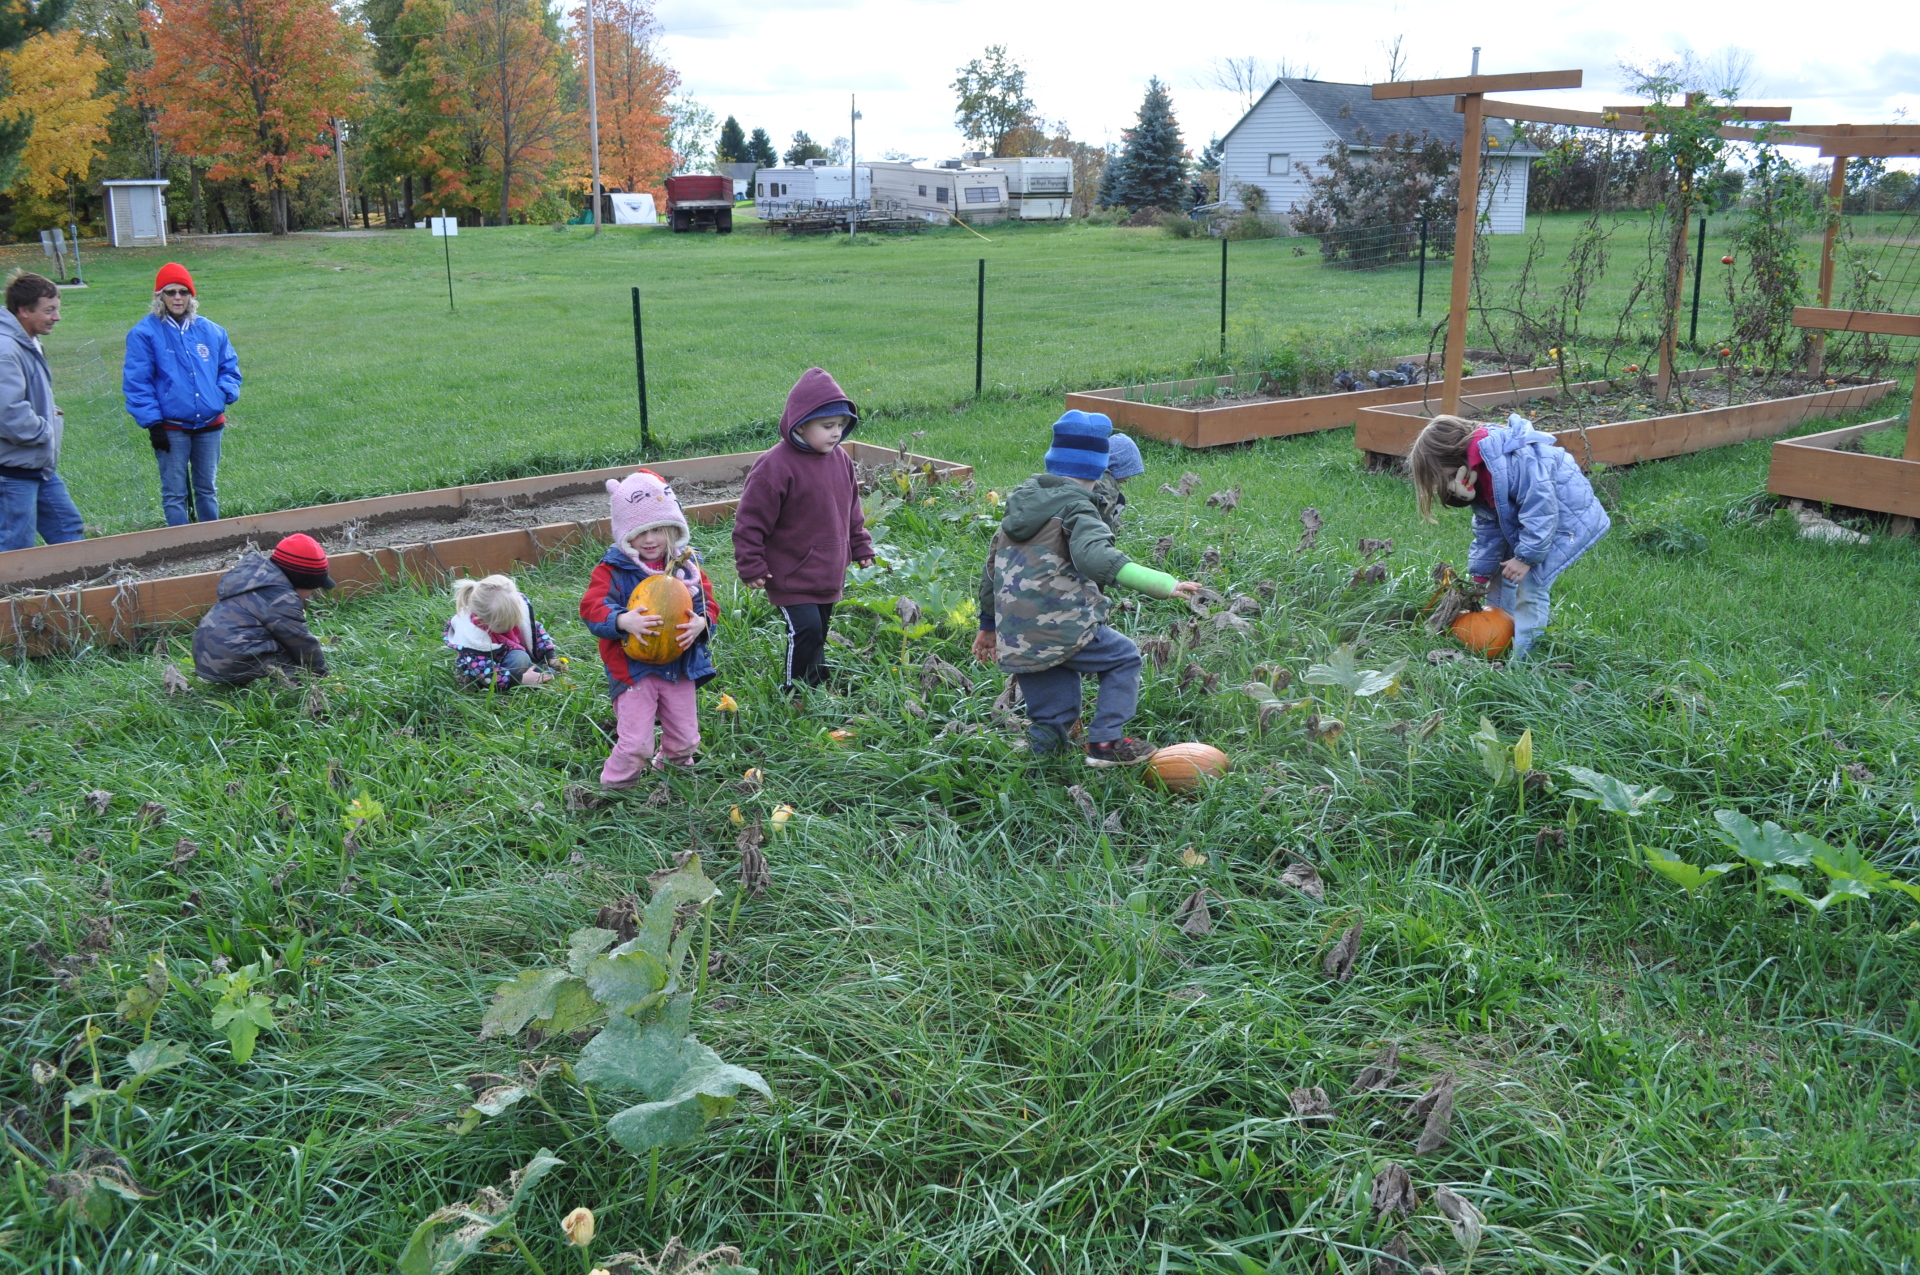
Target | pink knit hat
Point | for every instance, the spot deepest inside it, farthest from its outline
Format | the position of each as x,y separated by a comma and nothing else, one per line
640,502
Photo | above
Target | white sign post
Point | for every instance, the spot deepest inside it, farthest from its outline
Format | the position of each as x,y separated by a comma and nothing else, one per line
444,228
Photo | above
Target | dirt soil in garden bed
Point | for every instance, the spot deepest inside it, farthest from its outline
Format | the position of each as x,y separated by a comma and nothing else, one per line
1634,403
1250,389
479,519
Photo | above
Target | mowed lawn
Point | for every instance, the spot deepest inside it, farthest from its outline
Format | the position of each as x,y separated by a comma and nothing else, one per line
359,380
992,1046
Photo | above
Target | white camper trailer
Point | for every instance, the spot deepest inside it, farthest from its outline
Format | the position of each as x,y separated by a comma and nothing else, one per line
780,191
1040,187
951,190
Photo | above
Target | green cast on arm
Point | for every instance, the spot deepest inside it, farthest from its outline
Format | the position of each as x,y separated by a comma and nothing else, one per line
1156,584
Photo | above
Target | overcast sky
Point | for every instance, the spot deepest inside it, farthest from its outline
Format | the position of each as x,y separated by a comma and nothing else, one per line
791,64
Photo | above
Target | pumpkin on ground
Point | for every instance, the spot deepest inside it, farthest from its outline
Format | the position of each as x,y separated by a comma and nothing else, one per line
1184,767
1487,632
664,596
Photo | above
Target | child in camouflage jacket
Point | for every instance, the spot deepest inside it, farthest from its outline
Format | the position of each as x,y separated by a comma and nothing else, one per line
1042,612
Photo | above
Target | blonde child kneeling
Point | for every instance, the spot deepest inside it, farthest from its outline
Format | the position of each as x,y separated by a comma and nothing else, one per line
499,643
649,537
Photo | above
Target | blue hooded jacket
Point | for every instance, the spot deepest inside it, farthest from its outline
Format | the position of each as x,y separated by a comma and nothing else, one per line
1544,510
186,377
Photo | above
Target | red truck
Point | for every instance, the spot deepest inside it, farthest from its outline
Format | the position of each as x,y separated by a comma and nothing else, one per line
698,201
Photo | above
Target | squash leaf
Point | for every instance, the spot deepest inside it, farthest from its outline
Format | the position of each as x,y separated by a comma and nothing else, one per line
1342,671
430,1252
687,1085
155,1056
1848,864
1496,758
1683,874
1841,890
532,994
1766,845
624,981
1615,796
584,945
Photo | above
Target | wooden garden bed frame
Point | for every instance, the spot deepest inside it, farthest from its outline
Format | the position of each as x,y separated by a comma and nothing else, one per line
1815,467
1390,431
114,614
1267,418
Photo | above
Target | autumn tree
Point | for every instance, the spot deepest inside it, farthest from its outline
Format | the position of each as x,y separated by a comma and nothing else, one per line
634,81
19,23
54,80
255,86
994,109
499,67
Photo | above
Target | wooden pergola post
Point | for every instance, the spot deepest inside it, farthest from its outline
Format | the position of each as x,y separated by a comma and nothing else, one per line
1882,324
1836,194
1471,91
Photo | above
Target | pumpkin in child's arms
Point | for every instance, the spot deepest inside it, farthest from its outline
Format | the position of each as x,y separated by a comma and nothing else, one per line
665,596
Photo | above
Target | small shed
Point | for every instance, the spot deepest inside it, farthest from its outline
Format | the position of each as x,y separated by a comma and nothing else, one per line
136,213
1297,122
950,190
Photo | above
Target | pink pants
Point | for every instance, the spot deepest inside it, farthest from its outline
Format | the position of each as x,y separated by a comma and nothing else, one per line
634,713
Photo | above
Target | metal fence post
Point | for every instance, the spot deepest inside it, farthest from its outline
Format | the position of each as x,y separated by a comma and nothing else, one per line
640,371
1223,296
980,328
1699,264
1420,295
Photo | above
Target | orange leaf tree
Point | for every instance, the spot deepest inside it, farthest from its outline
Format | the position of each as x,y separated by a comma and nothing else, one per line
55,79
634,83
499,68
253,86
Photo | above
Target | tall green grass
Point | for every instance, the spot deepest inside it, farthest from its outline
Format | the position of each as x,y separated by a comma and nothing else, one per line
991,1045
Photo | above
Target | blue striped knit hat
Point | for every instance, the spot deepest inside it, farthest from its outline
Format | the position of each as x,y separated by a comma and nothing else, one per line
1079,445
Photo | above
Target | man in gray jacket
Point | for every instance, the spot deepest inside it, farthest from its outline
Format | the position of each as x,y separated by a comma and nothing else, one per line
32,497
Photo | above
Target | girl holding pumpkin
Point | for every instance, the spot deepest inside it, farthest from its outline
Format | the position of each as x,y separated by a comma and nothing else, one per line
652,608
1534,512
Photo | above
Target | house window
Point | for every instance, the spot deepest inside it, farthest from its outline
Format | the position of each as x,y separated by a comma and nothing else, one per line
939,194
1279,165
982,195
923,192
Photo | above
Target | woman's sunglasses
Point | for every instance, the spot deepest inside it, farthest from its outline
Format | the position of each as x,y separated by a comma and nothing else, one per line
175,292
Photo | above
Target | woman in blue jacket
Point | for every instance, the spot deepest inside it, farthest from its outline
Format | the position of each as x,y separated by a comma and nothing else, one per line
1534,512
180,377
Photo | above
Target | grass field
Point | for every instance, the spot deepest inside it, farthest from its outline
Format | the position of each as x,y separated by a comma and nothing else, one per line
360,382
991,1046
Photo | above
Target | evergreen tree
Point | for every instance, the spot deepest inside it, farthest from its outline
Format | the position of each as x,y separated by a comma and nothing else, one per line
732,148
760,149
1152,166
803,149
1210,157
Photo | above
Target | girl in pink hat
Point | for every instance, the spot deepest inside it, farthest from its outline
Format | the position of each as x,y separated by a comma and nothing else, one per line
649,537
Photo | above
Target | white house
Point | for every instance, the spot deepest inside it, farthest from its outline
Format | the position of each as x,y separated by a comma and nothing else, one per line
1297,122
1039,186
950,190
781,190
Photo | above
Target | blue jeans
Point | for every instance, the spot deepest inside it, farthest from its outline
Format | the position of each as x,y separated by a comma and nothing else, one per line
1527,603
198,449
27,506
1053,695
516,662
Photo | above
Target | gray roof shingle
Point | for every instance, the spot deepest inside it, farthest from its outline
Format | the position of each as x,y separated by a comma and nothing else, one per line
1350,109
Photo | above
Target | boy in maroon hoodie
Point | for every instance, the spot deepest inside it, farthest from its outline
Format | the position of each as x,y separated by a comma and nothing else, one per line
799,523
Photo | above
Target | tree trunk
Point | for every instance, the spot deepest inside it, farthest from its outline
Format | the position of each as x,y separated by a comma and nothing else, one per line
199,205
278,199
406,198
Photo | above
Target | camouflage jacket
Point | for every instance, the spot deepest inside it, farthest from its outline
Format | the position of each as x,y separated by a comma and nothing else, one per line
258,624
1040,590
1109,500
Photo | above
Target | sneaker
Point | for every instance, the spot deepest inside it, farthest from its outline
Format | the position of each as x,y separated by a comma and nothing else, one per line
1119,752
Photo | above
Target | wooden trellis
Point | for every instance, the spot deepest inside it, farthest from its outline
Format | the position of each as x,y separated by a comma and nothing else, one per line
1815,467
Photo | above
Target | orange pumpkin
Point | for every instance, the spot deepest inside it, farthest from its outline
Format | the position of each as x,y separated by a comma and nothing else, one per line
666,597
1487,632
1184,767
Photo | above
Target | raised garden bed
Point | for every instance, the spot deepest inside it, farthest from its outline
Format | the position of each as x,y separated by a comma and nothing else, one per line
1214,411
110,588
1831,469
1389,430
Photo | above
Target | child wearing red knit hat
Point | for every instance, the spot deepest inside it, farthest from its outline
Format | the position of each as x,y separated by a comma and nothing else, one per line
259,625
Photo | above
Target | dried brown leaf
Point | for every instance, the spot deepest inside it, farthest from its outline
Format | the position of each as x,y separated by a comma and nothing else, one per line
315,705
1311,1104
1225,501
912,707
1549,836
1161,548
99,935
1437,1106
1372,573
1229,620
1210,558
579,797
100,799
756,875
1267,589
1371,547
621,916
1157,649
1113,827
1189,483
152,813
908,610
1379,1074
1468,1222
1393,1259
173,683
1193,915
1338,962
1244,605
1306,879
1087,809
934,670
1311,522
184,852
1393,1192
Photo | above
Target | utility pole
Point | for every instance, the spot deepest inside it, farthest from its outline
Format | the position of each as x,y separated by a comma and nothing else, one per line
340,168
593,119
853,164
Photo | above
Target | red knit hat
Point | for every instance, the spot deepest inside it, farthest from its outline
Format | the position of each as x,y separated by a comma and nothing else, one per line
304,561
173,272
